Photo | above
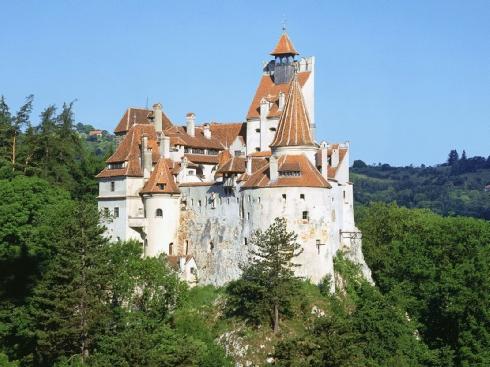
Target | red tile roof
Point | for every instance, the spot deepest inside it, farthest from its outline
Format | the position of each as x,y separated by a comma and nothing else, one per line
233,165
267,89
202,158
179,136
284,46
129,152
294,125
161,175
309,175
138,116
227,133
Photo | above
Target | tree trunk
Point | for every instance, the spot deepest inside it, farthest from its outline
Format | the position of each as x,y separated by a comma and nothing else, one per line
276,318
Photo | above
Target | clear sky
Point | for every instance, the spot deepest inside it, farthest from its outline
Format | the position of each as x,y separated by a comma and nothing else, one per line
404,81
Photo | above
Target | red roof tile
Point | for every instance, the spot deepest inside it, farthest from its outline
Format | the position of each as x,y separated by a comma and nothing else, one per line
267,89
284,46
138,116
161,175
294,125
309,175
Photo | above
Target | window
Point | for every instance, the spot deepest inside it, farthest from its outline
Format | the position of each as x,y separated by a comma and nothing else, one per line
245,241
284,196
289,173
159,213
113,186
258,199
248,215
200,203
197,151
171,248
305,215
238,153
302,196
190,172
116,165
257,130
192,202
249,199
272,129
161,186
318,244
106,212
193,270
186,247
211,246
344,194
212,152
116,212
257,149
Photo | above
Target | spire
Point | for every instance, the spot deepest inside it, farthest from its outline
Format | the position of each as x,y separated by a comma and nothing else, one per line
294,125
284,46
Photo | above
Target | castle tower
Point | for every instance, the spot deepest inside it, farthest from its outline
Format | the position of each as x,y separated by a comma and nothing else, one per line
284,54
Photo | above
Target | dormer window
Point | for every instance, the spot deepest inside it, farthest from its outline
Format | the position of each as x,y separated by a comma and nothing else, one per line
289,173
161,186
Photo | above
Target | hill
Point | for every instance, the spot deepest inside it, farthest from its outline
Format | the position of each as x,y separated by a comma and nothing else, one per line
458,187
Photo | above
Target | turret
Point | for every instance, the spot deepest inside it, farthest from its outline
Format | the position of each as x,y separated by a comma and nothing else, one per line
284,54
191,125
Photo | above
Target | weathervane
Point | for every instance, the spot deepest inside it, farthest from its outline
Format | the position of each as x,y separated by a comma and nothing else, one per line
284,24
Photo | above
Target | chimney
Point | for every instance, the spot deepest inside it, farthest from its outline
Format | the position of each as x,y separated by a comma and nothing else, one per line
157,117
273,168
164,146
191,126
146,157
282,100
264,108
249,165
323,152
207,131
335,156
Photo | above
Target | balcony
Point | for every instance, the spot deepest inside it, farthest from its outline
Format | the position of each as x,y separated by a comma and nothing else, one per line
136,222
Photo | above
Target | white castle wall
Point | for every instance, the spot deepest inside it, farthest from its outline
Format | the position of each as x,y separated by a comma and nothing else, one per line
219,234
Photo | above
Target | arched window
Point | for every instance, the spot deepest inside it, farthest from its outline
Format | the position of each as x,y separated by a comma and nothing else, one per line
159,213
171,248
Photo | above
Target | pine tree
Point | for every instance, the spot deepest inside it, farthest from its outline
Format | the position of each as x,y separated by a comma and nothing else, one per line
67,307
268,282
453,157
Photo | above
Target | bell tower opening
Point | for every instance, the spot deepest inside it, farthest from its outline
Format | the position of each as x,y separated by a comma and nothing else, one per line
284,60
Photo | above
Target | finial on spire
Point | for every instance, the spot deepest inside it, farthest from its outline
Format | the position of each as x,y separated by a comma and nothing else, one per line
284,24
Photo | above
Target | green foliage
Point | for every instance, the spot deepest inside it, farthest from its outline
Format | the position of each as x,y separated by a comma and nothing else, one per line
439,269
268,283
52,150
454,189
361,327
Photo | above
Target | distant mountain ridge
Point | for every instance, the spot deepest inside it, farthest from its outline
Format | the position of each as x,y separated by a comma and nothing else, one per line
461,186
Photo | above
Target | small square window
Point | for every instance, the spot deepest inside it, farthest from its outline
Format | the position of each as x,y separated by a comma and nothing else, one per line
284,196
257,149
302,196
257,130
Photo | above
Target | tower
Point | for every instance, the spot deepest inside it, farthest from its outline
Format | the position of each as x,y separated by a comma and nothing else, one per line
284,54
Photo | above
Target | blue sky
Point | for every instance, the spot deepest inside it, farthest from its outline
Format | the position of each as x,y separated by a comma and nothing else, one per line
404,81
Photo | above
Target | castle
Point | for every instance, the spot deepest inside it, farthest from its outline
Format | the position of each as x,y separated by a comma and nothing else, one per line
198,192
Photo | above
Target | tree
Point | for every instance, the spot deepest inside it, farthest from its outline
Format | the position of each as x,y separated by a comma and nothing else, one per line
463,156
453,157
359,164
66,307
268,282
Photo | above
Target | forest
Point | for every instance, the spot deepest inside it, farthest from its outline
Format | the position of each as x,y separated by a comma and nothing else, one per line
69,297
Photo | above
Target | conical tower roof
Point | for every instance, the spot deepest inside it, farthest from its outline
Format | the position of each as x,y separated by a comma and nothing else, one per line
294,124
284,46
